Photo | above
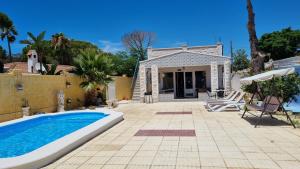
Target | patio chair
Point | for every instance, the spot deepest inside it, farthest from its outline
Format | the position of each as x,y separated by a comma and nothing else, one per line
211,94
221,106
270,106
232,95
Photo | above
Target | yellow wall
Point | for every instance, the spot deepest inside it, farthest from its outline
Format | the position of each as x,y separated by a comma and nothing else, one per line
123,87
39,90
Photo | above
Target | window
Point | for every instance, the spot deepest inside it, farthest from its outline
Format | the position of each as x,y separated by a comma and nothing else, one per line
167,80
200,80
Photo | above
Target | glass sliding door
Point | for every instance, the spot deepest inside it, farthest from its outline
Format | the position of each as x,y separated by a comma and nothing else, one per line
189,88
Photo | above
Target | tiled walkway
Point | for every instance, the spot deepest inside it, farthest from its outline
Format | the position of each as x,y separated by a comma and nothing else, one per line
223,140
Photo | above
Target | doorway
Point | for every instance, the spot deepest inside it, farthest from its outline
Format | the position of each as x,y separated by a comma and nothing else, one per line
179,84
189,88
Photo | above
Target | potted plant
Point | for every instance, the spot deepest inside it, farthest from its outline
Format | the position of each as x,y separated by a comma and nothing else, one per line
25,108
80,106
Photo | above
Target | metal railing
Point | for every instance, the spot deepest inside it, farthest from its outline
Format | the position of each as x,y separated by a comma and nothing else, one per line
135,73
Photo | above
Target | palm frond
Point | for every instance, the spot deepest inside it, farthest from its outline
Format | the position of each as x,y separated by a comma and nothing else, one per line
93,67
11,38
13,30
26,42
31,36
41,36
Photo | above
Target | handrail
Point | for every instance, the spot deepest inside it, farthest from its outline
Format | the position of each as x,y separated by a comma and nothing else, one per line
134,77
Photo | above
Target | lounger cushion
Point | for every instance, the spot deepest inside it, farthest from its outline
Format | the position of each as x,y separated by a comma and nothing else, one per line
271,107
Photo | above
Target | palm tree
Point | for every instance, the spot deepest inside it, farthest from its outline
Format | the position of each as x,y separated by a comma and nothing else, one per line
38,43
8,31
257,56
95,69
61,44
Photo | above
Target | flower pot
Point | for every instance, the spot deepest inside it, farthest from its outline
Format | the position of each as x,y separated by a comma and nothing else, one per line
25,111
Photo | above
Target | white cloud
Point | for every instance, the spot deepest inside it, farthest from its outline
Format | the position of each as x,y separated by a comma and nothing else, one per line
178,44
109,46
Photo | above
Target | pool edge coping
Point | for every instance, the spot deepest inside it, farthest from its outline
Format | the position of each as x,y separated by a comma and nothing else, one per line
52,151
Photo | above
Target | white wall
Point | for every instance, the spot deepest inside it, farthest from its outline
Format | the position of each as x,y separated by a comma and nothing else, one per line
235,82
205,68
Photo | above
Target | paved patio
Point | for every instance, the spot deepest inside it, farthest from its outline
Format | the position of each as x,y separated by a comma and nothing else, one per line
223,140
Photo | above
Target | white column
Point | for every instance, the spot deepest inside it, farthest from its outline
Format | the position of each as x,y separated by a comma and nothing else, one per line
227,76
142,73
214,75
155,85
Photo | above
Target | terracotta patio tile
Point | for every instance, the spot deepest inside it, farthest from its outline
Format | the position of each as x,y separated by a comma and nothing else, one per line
186,133
173,113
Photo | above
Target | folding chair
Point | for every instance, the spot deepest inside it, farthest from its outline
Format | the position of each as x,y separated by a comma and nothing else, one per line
229,96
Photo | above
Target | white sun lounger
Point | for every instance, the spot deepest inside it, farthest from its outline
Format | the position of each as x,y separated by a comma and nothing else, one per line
230,97
237,103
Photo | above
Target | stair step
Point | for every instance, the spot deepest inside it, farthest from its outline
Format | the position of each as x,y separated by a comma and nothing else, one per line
136,90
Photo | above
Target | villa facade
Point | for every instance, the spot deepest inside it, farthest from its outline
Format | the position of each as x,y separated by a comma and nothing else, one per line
183,72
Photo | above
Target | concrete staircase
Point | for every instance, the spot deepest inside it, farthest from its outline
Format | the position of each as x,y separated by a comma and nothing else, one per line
136,91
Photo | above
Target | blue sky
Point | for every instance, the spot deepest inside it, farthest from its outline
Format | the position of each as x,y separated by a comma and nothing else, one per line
195,22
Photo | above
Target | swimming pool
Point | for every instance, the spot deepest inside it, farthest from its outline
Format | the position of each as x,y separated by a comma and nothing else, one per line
294,106
35,141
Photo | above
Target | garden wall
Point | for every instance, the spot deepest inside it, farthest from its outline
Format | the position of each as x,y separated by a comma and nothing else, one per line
41,92
123,87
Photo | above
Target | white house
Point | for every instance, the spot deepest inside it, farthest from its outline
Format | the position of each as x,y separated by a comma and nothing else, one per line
183,72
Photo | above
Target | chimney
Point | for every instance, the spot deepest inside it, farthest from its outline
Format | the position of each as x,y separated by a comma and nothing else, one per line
32,59
149,52
220,48
184,47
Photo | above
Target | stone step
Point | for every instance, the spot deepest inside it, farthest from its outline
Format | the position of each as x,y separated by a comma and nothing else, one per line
136,90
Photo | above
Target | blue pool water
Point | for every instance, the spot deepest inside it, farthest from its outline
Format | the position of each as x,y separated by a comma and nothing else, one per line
23,137
294,106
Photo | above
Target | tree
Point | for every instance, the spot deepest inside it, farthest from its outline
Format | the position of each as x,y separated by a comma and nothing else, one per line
61,45
2,53
76,46
7,31
257,56
137,43
50,54
95,69
1,67
123,63
281,44
38,43
240,60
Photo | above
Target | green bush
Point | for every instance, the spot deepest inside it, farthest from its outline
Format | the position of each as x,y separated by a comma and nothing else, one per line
287,87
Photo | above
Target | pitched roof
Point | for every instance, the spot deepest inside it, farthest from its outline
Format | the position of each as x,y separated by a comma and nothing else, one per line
209,49
170,54
23,66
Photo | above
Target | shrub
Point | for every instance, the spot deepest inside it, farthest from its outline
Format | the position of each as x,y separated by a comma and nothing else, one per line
287,87
95,69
